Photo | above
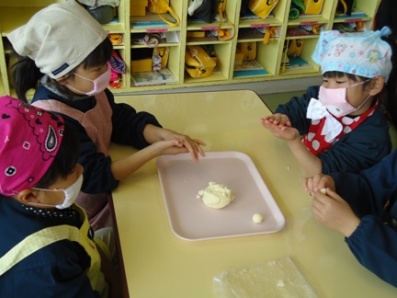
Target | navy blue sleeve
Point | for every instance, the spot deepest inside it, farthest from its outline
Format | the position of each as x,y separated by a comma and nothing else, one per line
359,149
373,243
128,124
356,190
58,270
296,109
375,246
127,129
368,191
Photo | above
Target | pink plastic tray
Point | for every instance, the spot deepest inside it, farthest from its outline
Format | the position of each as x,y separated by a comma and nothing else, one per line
181,178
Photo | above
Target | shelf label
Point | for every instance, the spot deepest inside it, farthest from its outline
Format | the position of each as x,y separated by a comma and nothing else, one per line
156,30
308,23
353,20
260,25
209,28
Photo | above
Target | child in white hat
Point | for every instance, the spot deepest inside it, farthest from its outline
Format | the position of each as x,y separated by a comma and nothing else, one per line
342,124
65,58
47,248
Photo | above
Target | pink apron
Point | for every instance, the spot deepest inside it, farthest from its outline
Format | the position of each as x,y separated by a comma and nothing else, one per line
98,124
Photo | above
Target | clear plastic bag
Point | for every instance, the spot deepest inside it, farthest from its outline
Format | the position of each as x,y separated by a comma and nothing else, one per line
276,278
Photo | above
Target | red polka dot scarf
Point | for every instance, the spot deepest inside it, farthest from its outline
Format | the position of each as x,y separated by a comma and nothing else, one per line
317,140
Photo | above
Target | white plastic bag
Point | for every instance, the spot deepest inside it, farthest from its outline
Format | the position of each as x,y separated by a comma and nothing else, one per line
276,278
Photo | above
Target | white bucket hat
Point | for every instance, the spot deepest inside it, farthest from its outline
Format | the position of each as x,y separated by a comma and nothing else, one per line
58,38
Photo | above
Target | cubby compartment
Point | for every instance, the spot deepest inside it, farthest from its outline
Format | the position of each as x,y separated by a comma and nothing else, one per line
154,39
221,71
275,18
119,69
256,55
154,21
164,42
296,56
358,19
306,30
352,26
361,10
271,36
325,15
154,66
118,23
262,35
6,61
149,30
117,39
227,20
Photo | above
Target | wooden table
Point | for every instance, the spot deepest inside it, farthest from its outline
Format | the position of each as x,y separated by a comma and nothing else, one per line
158,264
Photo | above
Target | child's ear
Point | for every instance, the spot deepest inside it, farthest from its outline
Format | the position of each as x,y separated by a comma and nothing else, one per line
27,196
63,80
377,85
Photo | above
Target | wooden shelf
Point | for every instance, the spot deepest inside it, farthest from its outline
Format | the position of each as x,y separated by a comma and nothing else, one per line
17,12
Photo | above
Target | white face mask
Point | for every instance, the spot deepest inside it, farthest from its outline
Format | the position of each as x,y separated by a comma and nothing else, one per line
100,83
71,194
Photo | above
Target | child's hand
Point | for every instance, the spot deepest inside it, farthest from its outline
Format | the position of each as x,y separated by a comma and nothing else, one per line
280,126
334,212
283,132
318,182
277,119
184,144
169,147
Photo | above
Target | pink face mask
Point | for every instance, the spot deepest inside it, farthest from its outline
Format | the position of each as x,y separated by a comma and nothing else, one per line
335,100
100,83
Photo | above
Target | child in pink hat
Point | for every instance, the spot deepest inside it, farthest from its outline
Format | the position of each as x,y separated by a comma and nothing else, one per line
47,248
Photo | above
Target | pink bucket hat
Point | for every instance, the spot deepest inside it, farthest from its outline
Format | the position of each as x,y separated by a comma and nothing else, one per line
29,141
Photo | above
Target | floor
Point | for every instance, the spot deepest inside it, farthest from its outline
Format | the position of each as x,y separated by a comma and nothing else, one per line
275,99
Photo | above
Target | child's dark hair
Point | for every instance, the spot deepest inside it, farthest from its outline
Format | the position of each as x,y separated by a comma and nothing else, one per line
339,74
391,87
23,82
388,96
65,160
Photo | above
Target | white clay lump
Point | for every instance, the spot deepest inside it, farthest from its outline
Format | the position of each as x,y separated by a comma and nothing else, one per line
216,195
257,218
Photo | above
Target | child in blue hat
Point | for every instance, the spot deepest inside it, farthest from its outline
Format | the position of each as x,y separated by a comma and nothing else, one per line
342,125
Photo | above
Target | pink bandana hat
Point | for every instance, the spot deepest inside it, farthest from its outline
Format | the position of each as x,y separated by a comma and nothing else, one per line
29,141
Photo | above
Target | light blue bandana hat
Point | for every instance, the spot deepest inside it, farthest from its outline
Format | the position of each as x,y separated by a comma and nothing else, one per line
363,54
